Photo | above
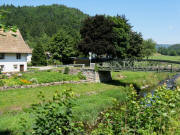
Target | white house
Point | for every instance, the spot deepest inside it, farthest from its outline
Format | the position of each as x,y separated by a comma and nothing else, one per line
13,52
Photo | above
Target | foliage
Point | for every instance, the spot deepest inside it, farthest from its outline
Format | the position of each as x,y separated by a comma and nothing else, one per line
135,50
25,82
153,114
173,50
121,36
93,98
1,83
38,77
66,70
56,117
38,56
110,36
5,28
38,24
62,46
81,76
96,34
149,47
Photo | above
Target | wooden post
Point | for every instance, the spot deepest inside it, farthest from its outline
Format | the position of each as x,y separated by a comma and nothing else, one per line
124,64
171,68
158,70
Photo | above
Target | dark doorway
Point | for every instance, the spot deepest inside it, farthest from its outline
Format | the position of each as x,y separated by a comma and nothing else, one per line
22,68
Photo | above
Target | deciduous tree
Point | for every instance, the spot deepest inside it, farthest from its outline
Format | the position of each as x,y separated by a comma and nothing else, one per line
61,46
149,47
97,36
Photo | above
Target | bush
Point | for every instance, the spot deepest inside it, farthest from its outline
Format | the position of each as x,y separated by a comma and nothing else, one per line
66,70
154,114
34,80
3,76
29,64
55,117
1,83
81,76
49,70
60,71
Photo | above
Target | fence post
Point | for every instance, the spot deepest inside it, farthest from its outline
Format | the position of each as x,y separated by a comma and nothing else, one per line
124,64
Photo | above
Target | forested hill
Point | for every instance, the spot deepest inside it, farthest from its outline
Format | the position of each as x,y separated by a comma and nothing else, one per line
175,47
41,22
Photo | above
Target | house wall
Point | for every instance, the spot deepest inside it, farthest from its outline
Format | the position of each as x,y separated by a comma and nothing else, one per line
29,57
10,60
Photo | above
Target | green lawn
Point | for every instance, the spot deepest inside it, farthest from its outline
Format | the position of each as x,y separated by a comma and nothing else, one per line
92,98
164,57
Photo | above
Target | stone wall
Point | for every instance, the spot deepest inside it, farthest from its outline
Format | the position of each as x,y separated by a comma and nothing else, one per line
100,76
43,85
104,76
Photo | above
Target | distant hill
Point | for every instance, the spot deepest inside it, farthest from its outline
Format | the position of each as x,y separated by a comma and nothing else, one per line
163,45
175,47
43,21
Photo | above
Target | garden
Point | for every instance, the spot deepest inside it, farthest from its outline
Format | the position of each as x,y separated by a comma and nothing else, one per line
38,77
90,100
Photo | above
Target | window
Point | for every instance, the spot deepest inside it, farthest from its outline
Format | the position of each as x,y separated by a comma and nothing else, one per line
1,67
15,66
18,56
1,55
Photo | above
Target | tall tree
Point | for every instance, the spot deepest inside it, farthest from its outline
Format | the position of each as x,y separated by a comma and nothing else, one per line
121,35
97,36
3,14
149,47
61,46
112,36
135,50
38,56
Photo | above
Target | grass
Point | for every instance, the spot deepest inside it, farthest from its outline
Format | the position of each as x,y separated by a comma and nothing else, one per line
178,82
39,77
164,57
92,98
140,79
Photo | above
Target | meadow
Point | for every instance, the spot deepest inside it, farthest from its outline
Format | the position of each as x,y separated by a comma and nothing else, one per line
165,57
92,98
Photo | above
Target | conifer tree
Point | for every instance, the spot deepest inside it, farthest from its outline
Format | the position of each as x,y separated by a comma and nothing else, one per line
38,56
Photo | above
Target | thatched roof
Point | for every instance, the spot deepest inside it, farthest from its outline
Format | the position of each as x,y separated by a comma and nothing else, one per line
11,42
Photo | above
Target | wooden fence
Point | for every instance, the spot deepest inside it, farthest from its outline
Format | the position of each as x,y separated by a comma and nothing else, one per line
140,65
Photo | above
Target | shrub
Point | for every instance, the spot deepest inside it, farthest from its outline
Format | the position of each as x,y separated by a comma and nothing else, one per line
34,80
2,76
49,70
66,70
29,64
81,76
153,114
60,71
25,82
1,83
55,117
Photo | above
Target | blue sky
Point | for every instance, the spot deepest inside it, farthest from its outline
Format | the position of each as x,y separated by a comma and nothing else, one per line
156,19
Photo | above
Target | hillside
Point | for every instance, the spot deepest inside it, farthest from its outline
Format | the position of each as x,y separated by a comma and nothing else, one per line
162,45
175,47
43,21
